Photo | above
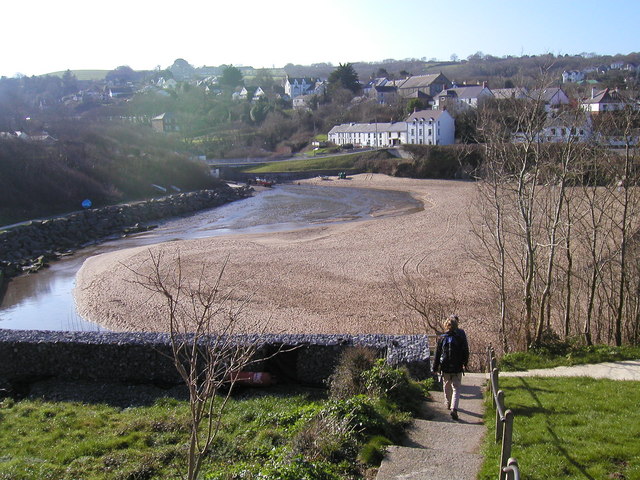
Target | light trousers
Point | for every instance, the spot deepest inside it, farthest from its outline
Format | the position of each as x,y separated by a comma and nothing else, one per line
452,383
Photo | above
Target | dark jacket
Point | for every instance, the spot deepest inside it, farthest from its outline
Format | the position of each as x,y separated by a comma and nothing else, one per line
459,360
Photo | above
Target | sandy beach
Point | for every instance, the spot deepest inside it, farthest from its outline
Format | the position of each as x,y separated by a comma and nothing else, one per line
327,279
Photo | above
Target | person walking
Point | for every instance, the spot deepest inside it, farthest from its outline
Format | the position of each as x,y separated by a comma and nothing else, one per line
452,355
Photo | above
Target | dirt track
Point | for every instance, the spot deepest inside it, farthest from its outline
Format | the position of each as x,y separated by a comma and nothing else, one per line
324,279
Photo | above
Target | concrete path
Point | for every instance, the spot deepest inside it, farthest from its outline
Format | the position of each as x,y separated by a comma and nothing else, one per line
438,447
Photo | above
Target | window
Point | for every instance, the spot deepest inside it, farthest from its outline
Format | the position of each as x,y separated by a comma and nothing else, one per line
553,131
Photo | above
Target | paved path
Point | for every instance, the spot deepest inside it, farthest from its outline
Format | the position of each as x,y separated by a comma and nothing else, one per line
437,447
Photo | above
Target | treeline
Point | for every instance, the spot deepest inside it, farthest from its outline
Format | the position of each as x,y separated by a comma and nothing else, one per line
102,163
479,67
558,227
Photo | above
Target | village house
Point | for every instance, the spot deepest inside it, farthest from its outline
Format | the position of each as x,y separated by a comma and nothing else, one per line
464,96
369,134
383,94
603,101
294,87
119,92
431,127
553,98
165,122
243,94
425,127
572,76
567,127
429,85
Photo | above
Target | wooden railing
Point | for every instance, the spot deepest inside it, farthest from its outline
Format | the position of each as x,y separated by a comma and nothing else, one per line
504,422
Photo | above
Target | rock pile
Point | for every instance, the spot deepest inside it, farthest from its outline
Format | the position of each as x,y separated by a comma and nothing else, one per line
28,247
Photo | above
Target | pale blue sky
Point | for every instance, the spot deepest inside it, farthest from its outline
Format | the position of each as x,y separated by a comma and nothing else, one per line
44,36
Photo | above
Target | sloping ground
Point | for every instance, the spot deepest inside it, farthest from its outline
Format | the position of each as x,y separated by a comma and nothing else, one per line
438,447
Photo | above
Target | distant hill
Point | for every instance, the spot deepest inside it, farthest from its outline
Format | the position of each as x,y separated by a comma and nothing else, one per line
83,74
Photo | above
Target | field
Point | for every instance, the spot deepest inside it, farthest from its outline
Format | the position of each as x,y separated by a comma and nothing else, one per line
84,74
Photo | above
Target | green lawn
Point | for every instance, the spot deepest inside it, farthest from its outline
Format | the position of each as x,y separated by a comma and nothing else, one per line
570,428
343,162
337,163
566,355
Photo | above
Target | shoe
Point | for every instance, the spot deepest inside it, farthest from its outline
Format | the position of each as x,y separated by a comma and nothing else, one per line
454,414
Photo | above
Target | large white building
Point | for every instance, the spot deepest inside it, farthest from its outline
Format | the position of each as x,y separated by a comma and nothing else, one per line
425,127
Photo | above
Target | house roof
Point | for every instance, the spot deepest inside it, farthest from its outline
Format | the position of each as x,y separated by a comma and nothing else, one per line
425,114
470,91
307,80
163,116
423,80
385,89
504,93
369,127
546,94
604,96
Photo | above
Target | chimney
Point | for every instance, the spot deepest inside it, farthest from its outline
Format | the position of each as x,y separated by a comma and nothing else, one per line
593,92
484,84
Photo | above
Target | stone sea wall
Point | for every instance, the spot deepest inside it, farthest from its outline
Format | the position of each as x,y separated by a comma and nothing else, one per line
28,356
29,246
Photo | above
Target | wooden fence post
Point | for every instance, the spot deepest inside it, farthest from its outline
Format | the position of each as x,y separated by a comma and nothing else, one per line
512,470
506,442
499,420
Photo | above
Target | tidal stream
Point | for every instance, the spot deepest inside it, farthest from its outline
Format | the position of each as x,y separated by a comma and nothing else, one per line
44,301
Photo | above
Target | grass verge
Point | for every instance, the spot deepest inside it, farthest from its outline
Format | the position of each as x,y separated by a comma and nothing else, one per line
570,428
562,354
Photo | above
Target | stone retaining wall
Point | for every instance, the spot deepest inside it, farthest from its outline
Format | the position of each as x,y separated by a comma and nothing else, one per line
29,246
27,356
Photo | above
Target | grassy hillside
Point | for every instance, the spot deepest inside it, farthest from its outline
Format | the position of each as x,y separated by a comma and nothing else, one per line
84,74
106,164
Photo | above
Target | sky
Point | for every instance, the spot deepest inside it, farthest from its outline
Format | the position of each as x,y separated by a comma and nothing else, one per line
44,36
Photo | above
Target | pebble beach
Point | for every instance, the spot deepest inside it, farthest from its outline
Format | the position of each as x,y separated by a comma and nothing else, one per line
341,278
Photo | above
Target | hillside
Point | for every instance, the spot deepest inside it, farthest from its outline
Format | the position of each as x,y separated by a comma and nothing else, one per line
103,163
83,75
477,68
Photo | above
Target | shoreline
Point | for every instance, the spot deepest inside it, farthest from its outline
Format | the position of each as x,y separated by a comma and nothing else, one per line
326,279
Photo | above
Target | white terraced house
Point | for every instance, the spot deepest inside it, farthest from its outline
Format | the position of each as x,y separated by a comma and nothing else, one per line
425,127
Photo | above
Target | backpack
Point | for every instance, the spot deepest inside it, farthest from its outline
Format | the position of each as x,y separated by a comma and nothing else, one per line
451,353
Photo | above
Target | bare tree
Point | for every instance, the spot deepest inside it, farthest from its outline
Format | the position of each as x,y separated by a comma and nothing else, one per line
210,344
538,199
418,292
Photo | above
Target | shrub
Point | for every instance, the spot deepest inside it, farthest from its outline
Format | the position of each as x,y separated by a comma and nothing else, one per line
395,385
373,451
328,437
347,379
